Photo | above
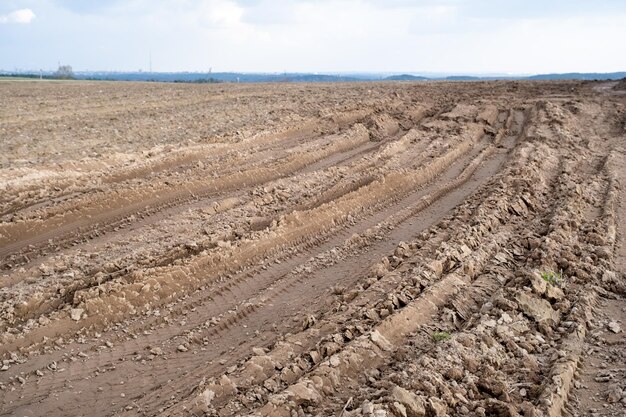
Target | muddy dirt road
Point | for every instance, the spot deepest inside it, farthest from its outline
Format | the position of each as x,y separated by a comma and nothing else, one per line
396,249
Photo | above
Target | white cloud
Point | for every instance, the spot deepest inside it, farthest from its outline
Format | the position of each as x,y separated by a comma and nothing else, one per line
224,13
23,16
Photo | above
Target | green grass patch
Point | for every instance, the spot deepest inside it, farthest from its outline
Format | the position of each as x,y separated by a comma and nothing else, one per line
441,336
553,278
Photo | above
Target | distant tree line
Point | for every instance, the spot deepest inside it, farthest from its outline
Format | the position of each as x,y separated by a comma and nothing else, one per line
210,80
22,75
64,72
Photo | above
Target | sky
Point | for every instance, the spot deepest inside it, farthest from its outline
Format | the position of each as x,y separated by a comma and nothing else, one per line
327,36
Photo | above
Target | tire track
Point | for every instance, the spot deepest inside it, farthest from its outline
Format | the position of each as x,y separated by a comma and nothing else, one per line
143,206
248,307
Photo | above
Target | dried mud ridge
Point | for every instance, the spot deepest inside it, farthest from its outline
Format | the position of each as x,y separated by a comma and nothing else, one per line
354,250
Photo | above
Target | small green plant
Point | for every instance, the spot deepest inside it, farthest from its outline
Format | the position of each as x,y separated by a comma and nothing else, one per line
553,278
441,336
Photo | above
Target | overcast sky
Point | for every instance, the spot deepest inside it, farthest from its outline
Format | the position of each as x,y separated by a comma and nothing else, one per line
451,36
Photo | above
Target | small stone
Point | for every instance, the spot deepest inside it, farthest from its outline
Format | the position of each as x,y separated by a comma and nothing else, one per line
554,293
413,404
523,392
437,408
538,284
301,393
76,313
309,321
380,341
490,323
156,351
505,318
367,408
455,373
537,308
614,327
398,409
315,356
182,348
258,351
614,395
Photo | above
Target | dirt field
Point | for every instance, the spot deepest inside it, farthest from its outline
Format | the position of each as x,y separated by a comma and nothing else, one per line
396,249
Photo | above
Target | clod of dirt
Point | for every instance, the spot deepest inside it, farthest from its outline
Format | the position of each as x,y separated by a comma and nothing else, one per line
614,327
76,313
413,404
537,308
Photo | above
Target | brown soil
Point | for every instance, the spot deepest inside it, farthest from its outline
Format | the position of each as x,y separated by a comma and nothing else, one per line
390,249
621,85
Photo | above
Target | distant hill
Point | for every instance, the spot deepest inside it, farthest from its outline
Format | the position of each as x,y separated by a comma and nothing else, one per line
464,78
579,76
405,77
234,77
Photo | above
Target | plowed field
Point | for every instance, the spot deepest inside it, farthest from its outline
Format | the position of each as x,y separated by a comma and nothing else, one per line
392,249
